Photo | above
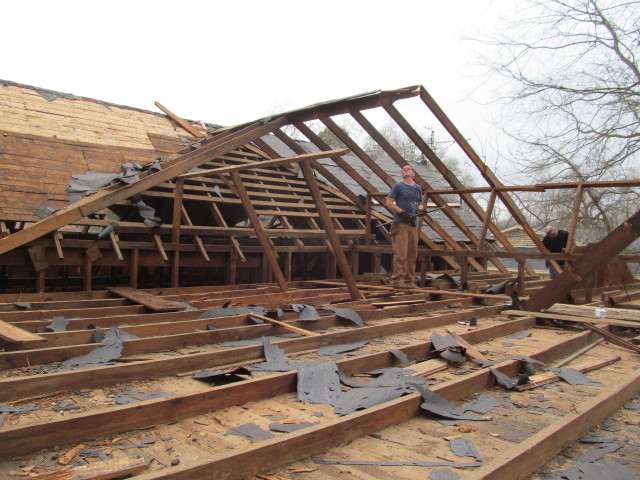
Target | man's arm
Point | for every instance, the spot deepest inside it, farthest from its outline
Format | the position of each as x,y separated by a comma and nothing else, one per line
391,204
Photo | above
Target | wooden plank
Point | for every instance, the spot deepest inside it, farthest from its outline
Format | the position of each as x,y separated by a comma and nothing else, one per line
589,311
155,303
472,352
105,470
56,242
550,377
293,328
158,242
571,318
575,214
113,238
519,461
613,338
191,130
13,334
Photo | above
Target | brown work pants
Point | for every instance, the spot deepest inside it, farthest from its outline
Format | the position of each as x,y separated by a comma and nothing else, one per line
405,253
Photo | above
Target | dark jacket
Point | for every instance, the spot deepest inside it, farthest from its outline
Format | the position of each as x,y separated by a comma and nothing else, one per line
556,244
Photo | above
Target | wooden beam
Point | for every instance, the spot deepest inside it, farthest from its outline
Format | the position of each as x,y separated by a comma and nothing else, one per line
336,248
487,220
520,460
486,173
116,247
613,338
572,318
106,470
56,242
217,215
13,334
158,242
583,268
285,325
182,123
154,302
259,231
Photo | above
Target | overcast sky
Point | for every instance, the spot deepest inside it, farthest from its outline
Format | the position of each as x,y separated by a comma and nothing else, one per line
231,62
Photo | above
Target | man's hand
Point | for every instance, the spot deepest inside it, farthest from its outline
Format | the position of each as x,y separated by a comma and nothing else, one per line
421,212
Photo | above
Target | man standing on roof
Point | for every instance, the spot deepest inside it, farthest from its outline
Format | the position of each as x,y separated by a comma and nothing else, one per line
405,201
555,240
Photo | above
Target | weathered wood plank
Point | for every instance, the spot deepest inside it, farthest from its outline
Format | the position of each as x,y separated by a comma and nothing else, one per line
155,303
13,334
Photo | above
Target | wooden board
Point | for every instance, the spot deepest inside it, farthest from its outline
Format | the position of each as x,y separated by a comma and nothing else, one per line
155,303
14,334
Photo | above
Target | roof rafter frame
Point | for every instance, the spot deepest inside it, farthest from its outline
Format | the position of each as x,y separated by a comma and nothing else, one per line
364,184
355,148
113,194
487,174
451,179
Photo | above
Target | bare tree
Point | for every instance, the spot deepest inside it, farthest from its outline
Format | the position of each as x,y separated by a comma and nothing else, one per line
571,101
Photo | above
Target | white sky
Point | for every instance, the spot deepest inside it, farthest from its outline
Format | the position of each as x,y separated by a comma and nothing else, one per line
231,62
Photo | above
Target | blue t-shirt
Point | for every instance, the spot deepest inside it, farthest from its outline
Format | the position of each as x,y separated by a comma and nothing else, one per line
407,197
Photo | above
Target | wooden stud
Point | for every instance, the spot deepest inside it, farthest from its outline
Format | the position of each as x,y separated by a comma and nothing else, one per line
175,269
88,264
158,242
177,211
291,328
114,244
232,268
133,268
56,242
